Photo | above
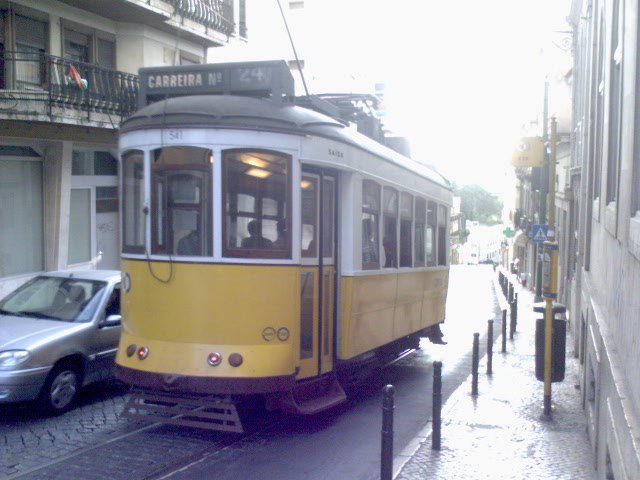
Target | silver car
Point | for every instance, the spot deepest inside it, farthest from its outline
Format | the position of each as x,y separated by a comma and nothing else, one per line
58,332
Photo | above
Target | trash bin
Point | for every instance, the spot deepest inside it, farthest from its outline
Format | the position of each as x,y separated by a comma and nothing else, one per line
558,342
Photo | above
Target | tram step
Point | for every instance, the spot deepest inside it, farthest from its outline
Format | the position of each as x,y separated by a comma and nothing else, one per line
313,396
207,412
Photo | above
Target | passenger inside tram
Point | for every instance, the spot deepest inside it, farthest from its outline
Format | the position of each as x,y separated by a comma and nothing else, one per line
189,244
255,238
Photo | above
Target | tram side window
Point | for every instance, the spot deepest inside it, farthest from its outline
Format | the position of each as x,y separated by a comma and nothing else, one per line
257,196
406,218
431,233
181,201
133,218
419,240
370,225
442,235
390,227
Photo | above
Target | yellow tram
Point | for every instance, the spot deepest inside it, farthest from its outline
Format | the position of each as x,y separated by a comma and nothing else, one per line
267,248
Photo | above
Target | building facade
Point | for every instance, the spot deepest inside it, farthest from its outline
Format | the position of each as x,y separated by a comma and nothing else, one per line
600,270
68,76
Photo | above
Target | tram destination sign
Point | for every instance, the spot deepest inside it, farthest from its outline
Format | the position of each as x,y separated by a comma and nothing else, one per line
261,79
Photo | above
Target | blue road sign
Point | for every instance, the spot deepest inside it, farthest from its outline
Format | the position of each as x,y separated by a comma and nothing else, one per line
539,233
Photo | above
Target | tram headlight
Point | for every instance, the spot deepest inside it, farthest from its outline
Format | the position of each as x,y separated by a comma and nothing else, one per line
214,359
143,352
131,349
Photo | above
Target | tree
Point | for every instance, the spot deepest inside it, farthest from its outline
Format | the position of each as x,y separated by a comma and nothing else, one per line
479,205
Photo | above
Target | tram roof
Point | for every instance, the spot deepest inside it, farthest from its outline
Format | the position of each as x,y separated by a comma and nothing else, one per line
241,112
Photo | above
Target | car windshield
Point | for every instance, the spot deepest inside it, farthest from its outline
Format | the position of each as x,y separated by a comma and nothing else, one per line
58,298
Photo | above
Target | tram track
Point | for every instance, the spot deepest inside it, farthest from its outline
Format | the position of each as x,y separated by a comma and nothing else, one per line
151,452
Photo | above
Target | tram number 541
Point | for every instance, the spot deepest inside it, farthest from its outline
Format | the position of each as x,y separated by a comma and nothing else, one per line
173,135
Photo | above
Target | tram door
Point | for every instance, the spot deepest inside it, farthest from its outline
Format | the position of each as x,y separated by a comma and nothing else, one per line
318,274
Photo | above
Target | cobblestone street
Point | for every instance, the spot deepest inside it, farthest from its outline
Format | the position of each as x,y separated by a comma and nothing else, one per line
28,440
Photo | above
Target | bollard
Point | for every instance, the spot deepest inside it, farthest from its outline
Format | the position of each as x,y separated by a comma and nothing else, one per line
386,454
490,348
515,312
437,405
512,319
510,297
474,364
504,331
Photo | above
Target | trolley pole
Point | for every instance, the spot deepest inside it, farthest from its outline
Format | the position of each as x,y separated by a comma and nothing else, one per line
550,274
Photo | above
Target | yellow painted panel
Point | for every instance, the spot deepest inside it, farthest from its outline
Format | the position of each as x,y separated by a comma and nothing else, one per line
411,287
211,304
370,330
276,358
378,309
406,319
375,292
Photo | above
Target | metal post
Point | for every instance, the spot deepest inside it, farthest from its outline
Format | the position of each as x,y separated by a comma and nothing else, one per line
550,287
474,364
437,405
510,298
515,312
490,347
504,331
512,319
543,190
386,454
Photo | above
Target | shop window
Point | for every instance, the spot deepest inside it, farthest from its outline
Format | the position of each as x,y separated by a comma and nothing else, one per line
370,225
21,211
85,162
257,196
106,199
79,226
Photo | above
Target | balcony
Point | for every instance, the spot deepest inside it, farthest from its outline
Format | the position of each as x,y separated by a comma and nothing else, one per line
208,21
35,86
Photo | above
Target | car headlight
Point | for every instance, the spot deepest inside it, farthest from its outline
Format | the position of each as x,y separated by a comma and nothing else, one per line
11,358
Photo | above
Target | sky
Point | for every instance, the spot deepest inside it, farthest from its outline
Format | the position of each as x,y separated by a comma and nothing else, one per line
461,76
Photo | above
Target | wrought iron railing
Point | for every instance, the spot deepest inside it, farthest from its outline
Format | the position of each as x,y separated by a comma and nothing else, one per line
217,14
29,76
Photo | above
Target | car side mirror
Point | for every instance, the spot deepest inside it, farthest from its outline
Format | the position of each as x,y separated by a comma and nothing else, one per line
111,321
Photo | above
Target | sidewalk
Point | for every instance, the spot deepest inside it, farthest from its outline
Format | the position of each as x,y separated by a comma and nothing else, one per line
501,433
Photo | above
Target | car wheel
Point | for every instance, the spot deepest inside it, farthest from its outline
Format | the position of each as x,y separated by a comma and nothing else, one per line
60,392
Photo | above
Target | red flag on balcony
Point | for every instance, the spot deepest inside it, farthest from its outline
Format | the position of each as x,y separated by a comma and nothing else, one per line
75,76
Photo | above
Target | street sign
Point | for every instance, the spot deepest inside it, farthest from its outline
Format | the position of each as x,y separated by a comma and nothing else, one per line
528,153
539,233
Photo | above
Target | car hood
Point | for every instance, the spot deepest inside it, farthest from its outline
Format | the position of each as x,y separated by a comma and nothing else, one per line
26,333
